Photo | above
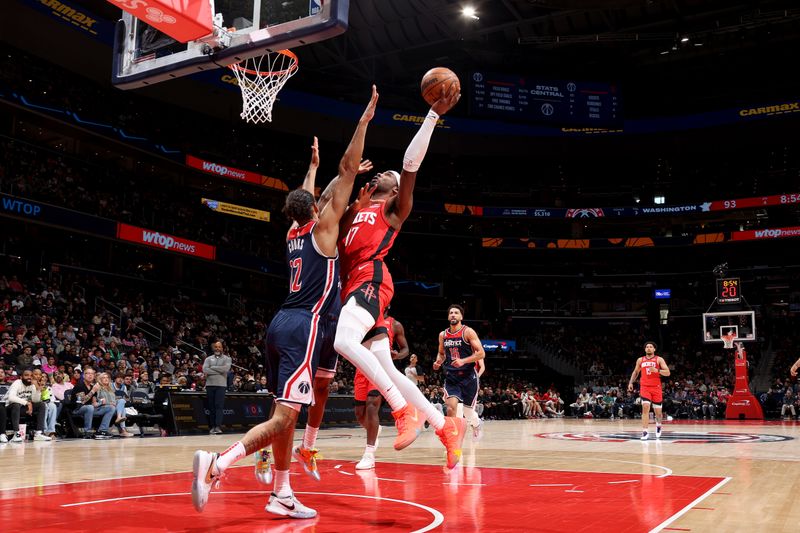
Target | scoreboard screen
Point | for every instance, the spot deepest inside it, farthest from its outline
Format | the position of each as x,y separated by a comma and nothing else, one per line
510,97
729,291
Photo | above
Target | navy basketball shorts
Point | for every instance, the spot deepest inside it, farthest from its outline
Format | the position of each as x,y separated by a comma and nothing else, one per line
462,384
293,347
328,358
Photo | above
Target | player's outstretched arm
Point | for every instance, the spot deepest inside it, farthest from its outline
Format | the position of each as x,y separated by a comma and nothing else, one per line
342,185
400,339
309,183
635,374
400,207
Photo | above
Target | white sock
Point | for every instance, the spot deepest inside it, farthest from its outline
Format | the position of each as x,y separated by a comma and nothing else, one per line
230,456
471,416
409,390
282,487
310,437
354,323
370,449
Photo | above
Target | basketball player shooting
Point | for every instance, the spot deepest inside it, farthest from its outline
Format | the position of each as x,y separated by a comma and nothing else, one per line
461,353
651,367
368,289
293,337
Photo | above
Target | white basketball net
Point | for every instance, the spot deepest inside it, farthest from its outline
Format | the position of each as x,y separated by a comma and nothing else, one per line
727,341
260,79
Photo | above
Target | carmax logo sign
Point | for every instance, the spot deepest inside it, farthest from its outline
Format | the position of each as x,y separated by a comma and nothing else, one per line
165,241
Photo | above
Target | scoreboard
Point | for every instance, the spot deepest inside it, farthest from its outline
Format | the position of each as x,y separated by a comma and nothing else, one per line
728,291
510,97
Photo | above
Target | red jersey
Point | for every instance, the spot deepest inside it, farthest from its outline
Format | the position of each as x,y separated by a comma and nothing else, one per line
369,238
650,376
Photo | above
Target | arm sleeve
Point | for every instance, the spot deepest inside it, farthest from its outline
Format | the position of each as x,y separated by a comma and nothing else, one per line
418,147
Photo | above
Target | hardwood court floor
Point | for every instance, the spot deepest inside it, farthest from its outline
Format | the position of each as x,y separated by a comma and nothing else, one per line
554,475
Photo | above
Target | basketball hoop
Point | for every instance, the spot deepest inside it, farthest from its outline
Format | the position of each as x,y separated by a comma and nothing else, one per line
260,79
727,340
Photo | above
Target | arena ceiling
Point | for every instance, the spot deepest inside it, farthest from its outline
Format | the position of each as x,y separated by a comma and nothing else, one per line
657,49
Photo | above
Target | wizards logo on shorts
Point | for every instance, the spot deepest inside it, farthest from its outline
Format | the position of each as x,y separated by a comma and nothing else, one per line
304,387
677,437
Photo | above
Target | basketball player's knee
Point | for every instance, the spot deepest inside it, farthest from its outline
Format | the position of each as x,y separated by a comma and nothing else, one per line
346,341
285,417
321,386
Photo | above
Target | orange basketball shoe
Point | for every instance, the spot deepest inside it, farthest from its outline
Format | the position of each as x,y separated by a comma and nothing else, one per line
409,423
452,435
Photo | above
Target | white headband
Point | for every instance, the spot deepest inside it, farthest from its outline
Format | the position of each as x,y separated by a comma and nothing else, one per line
396,176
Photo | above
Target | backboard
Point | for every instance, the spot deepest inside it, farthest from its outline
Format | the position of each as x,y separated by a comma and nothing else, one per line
742,323
243,28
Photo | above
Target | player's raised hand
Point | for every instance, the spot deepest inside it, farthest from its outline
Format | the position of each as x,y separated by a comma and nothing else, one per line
447,100
314,154
364,166
364,195
369,112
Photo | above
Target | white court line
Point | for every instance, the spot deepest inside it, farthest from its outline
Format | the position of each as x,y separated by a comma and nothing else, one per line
379,478
438,517
683,511
573,491
552,485
626,481
111,479
667,471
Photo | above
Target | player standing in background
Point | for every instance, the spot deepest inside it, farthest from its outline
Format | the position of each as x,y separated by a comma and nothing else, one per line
460,351
652,367
293,337
368,399
368,291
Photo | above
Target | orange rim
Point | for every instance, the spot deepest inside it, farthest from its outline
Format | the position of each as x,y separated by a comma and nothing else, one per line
292,68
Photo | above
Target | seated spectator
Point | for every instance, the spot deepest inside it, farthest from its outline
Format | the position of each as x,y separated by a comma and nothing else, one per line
120,402
85,395
58,389
262,384
788,405
581,404
145,384
51,411
20,396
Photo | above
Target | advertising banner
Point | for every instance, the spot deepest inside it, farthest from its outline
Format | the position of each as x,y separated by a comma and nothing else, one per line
165,241
236,210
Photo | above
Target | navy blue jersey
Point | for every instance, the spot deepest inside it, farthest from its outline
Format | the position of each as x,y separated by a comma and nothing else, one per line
313,277
456,346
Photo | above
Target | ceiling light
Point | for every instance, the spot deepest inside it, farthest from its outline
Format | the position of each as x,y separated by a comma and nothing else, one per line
470,12
684,39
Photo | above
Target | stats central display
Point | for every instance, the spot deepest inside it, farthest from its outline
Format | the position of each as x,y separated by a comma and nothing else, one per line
510,97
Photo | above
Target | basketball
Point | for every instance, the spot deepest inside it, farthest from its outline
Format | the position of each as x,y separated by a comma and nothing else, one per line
435,80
